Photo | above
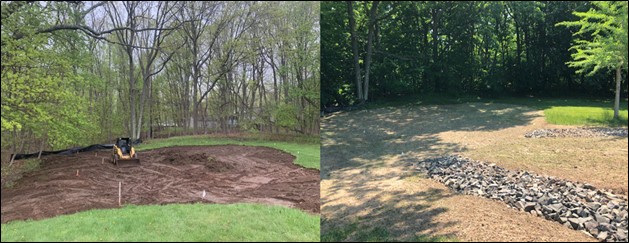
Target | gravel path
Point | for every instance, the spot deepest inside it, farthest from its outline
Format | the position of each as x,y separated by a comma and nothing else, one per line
578,206
578,132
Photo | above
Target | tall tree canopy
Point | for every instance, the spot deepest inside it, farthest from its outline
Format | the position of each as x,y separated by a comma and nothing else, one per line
482,48
84,72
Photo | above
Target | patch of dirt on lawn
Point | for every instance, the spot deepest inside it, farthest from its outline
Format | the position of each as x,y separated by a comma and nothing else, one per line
227,174
365,179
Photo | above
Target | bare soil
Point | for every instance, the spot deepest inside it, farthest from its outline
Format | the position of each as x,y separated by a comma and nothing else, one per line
227,174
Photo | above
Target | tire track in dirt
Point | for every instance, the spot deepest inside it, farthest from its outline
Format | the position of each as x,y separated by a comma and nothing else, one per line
228,174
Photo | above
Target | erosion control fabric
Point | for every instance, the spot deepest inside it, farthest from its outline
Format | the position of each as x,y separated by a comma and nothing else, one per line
74,150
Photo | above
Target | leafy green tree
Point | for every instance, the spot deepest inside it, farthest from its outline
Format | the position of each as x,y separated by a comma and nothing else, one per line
605,42
41,82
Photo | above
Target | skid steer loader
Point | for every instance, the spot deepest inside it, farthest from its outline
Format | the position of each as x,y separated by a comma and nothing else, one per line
124,153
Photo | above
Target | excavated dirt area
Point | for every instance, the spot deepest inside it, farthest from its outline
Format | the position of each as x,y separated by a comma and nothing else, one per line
210,174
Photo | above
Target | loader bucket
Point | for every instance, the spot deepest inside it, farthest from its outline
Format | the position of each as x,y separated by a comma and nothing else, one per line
128,162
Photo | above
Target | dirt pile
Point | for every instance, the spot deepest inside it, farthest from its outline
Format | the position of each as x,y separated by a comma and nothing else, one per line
227,174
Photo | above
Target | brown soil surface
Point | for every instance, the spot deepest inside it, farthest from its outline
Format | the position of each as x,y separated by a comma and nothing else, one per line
364,179
227,174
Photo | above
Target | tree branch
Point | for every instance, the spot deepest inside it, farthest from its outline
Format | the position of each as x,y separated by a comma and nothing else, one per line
93,32
93,7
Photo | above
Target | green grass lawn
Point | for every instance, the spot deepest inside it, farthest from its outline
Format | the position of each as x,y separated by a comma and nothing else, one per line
580,115
589,112
307,154
373,235
561,111
184,222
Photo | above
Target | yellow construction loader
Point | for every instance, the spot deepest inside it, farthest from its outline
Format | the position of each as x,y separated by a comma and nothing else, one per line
124,153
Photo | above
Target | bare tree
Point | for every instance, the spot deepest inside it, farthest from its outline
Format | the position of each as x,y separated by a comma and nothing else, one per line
145,28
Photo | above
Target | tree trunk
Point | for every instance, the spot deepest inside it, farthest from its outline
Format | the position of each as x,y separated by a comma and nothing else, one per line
13,146
41,147
284,77
276,91
143,98
617,100
435,48
150,135
435,35
352,28
372,23
518,44
131,91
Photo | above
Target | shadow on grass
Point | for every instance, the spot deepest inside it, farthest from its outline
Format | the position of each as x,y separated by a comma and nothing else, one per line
534,102
350,139
375,234
389,220
356,143
608,119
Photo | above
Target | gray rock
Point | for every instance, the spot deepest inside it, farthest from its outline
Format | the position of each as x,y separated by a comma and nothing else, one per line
544,200
575,223
603,209
604,227
568,224
480,192
529,207
601,219
578,132
618,220
612,205
593,205
584,220
590,225
557,207
576,205
621,235
594,232
525,206
577,211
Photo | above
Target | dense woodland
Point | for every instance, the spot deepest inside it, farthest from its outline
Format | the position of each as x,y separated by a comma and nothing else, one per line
373,49
85,72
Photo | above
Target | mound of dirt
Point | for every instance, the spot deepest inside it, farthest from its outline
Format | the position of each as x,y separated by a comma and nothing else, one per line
210,174
173,157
